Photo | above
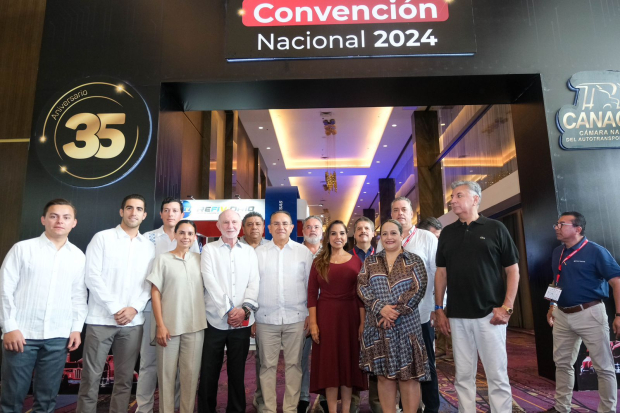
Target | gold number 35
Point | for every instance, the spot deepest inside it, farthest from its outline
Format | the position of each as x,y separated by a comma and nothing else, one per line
96,131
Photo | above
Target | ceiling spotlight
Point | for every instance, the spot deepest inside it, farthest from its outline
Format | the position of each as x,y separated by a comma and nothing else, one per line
378,161
274,163
341,172
385,146
358,206
443,124
281,184
400,182
367,183
471,171
364,191
260,127
394,125
268,147
309,172
361,199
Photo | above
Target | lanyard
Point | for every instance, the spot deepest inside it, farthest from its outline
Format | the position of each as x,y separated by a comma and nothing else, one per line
557,281
409,237
372,252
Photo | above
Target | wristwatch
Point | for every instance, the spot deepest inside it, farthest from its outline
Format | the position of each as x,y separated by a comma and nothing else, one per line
247,313
508,309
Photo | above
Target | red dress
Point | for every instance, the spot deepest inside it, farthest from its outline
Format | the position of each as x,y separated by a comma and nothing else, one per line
335,361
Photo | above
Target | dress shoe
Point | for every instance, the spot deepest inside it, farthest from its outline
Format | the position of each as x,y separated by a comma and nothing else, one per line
302,406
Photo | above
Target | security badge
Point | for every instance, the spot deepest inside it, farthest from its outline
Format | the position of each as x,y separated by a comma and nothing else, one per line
553,292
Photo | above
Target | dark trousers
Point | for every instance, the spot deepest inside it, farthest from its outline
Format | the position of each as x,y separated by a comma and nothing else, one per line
237,342
47,359
430,389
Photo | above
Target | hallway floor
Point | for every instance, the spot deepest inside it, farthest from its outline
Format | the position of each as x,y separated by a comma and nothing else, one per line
531,393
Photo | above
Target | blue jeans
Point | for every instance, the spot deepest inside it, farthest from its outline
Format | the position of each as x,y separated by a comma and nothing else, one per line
47,359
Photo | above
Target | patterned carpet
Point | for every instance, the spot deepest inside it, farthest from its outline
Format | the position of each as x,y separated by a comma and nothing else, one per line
531,393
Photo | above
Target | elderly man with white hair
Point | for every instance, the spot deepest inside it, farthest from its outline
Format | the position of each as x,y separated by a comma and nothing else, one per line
472,256
230,274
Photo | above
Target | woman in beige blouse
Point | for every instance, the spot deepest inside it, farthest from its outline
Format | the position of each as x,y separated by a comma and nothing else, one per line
179,312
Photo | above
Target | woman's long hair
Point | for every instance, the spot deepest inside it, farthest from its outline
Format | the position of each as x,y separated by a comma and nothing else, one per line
321,262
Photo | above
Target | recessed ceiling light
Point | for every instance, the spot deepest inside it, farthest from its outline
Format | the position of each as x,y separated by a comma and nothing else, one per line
281,184
309,172
358,206
443,124
400,182
268,147
341,172
361,199
274,163
385,146
364,191
471,171
378,161
367,183
394,125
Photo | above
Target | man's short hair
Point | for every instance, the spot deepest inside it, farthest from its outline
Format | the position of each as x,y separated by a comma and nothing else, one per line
402,198
318,218
364,219
228,210
430,222
59,201
579,221
251,215
473,187
133,196
170,200
281,212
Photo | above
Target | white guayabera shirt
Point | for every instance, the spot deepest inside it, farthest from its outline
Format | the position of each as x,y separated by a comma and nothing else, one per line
42,290
283,292
116,271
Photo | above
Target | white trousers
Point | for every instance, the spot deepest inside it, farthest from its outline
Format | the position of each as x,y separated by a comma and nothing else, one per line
147,378
591,326
473,337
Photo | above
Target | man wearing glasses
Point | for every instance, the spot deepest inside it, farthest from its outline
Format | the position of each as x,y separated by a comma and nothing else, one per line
582,271
282,316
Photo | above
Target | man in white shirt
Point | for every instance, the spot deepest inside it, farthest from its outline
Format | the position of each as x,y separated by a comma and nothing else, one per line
282,317
424,244
42,310
118,261
171,212
313,233
230,274
253,225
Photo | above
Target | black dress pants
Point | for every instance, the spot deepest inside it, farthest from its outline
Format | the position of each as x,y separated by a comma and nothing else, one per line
430,389
237,343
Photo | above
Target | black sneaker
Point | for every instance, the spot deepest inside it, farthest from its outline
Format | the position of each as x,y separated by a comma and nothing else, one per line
302,406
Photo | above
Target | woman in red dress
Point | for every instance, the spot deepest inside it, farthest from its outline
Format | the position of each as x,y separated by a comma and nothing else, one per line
336,321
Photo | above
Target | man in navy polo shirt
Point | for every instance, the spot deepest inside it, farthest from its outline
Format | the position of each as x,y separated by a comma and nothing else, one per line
582,271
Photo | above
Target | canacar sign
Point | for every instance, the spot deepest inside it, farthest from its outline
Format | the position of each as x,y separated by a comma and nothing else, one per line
307,29
593,121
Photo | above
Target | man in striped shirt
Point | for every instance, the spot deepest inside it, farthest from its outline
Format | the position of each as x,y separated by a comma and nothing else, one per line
42,310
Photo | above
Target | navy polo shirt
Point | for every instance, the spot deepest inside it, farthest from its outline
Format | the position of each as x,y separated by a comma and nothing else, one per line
585,275
361,254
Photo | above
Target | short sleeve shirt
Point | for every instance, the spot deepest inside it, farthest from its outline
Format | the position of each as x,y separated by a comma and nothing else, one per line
182,293
475,256
585,275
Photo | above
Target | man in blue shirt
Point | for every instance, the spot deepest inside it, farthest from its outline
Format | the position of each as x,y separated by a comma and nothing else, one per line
583,271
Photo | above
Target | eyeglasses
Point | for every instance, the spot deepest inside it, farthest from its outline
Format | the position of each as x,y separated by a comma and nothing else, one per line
560,224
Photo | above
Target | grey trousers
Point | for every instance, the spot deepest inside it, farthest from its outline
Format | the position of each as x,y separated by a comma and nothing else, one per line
591,326
125,344
258,401
291,338
183,355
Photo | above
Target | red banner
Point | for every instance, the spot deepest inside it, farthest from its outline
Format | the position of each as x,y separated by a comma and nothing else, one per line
266,13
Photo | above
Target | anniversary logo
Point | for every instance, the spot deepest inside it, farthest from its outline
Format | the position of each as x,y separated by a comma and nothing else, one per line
303,29
593,122
94,133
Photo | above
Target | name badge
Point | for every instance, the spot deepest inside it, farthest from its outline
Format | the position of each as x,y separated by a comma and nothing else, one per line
553,293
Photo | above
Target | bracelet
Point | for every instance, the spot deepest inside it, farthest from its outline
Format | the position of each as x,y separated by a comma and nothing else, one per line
438,307
553,304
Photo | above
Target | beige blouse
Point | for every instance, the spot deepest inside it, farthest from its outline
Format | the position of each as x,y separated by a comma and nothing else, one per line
182,293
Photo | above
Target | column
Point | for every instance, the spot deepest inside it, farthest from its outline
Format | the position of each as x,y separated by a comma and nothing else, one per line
387,192
426,137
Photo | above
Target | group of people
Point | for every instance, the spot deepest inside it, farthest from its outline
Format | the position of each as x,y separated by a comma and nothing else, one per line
346,321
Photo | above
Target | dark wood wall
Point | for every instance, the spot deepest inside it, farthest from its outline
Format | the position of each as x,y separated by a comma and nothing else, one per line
21,30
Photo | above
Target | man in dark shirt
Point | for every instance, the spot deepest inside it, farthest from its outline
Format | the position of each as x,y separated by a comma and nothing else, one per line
583,271
364,230
472,255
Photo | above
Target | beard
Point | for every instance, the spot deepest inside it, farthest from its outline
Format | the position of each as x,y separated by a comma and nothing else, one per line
312,240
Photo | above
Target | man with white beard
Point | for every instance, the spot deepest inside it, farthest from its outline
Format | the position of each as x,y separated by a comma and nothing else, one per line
313,233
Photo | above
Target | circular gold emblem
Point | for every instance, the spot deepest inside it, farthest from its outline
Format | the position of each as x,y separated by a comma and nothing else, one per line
94,134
